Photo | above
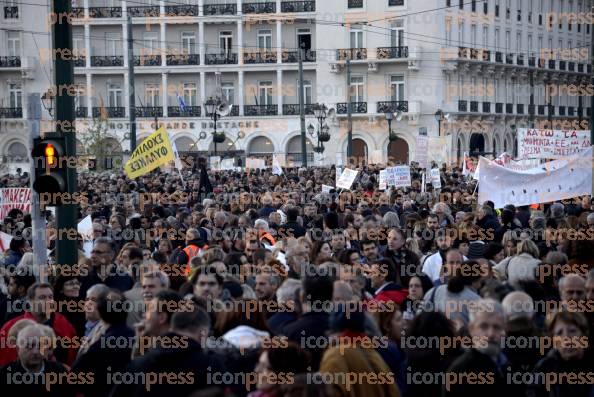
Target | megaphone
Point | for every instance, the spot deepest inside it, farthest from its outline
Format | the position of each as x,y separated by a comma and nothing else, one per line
224,109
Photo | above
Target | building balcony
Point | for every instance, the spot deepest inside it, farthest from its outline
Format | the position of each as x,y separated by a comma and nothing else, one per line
80,62
11,12
183,10
259,8
147,60
260,110
355,4
107,61
354,54
499,108
474,106
189,111
463,106
81,112
78,12
220,59
541,110
10,62
105,12
293,56
356,107
144,11
393,3
261,56
11,113
293,109
298,6
115,112
220,9
182,59
392,106
509,108
149,111
486,107
392,52
520,108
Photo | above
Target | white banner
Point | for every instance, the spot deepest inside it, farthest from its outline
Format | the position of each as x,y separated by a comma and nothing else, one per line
559,180
215,163
346,179
421,151
551,144
326,188
398,176
276,165
383,180
255,163
435,178
228,164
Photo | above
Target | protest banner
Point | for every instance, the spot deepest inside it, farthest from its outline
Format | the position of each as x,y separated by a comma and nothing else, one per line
559,180
152,153
422,151
383,180
326,188
551,144
436,178
14,197
215,163
398,176
276,165
227,164
255,163
346,179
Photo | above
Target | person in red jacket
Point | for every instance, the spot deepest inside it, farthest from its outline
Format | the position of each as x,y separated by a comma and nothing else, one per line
382,274
41,309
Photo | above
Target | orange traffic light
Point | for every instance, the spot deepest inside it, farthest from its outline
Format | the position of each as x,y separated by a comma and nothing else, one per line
50,154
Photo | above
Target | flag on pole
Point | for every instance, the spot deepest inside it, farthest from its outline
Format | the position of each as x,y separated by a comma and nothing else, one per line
176,159
152,153
182,103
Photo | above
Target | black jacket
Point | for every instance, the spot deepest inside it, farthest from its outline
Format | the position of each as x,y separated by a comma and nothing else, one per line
291,229
477,375
11,381
553,362
183,358
314,326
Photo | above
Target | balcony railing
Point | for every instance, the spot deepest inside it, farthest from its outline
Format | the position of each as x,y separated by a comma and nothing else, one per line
80,62
220,9
392,52
354,54
105,12
509,108
220,59
144,11
81,112
259,8
293,56
11,113
260,110
11,12
106,61
498,57
262,56
392,106
182,59
520,108
356,107
149,111
78,12
463,106
189,111
392,3
10,62
183,10
486,107
499,108
474,106
474,54
298,6
355,4
116,112
486,56
541,110
147,60
293,109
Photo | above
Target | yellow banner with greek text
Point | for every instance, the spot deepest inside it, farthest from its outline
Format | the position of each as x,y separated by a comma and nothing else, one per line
152,153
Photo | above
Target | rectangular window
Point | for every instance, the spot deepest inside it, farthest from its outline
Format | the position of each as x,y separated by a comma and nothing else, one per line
80,97
530,5
540,11
496,8
14,44
15,95
485,7
188,43
397,88
152,95
497,43
225,42
265,39
228,92
307,91
357,89
570,19
114,95
151,43
507,40
473,35
461,4
78,43
508,9
485,37
190,94
530,49
356,37
265,91
397,34
113,44
519,42
461,35
473,6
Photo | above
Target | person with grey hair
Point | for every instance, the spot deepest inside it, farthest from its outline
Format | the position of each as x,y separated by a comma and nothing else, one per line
557,211
521,267
391,220
103,269
590,220
590,285
266,285
286,298
487,330
572,289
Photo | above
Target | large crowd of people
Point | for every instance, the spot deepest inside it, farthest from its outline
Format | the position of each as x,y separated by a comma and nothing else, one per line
246,283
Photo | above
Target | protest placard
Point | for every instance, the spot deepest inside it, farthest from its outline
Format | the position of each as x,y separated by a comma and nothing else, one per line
346,179
551,144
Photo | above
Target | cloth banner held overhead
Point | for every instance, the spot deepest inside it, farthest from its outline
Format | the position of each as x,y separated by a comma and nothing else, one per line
559,180
436,178
551,144
14,197
398,176
346,179
152,153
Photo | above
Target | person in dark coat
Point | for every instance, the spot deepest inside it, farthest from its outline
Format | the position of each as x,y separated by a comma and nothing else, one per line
488,222
312,327
183,357
112,352
16,301
406,261
104,270
292,228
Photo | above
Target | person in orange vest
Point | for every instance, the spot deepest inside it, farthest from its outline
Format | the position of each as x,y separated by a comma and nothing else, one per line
264,235
194,246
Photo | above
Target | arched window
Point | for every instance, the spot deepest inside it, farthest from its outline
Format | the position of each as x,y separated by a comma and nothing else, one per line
294,153
260,147
16,152
185,144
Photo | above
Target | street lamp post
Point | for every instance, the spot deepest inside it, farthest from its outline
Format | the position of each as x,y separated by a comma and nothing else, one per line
323,135
214,109
439,116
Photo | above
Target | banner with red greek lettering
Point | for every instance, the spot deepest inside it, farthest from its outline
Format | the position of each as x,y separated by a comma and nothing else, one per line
551,144
557,180
14,197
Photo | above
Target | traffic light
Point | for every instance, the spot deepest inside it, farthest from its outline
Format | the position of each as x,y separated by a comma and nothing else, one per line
50,165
